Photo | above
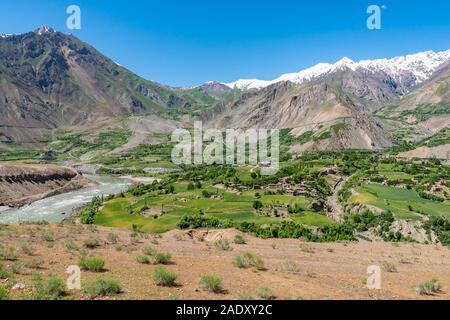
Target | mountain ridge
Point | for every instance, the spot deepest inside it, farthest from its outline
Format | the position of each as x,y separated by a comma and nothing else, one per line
422,63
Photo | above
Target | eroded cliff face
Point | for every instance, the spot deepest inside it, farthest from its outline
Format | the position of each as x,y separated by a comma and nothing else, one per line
21,184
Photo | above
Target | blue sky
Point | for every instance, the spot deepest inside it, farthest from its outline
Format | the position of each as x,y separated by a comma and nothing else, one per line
188,42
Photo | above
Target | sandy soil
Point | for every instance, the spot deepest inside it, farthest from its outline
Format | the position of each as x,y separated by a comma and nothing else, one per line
324,271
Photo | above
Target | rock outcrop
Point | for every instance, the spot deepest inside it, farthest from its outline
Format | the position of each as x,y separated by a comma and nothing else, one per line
22,184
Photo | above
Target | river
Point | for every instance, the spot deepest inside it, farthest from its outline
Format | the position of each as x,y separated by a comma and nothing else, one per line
57,208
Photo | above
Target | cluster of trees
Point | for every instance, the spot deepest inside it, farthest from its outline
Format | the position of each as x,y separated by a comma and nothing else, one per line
88,213
367,220
292,230
441,227
285,229
380,223
199,220
163,187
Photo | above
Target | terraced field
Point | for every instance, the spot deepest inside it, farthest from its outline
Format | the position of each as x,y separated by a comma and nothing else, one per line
403,203
168,209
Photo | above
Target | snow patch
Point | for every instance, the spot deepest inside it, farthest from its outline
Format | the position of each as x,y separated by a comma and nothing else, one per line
421,65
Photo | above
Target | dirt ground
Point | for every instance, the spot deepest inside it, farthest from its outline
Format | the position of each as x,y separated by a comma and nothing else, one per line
293,269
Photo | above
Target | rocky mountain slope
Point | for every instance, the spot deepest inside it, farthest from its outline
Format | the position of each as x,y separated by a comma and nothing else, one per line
321,116
424,112
51,80
372,83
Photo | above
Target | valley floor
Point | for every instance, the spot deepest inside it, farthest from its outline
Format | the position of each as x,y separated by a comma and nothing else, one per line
293,269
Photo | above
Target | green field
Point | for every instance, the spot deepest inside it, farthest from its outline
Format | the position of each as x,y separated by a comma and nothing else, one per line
124,212
399,202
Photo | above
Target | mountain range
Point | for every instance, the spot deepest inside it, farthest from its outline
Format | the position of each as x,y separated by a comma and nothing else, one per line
53,81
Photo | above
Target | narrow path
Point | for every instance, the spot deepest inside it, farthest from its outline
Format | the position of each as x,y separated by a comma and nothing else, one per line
334,208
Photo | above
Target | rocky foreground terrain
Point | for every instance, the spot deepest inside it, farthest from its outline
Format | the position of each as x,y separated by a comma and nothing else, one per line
291,269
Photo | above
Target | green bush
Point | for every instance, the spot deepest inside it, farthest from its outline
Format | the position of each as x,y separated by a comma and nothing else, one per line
3,294
4,273
239,239
161,258
389,267
441,227
27,248
113,238
198,221
211,283
265,293
18,268
428,288
8,253
143,259
94,264
54,288
70,245
102,287
91,243
248,260
165,278
223,244
88,213
36,263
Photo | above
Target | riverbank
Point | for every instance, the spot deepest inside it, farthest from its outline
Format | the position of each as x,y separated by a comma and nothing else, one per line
24,183
57,208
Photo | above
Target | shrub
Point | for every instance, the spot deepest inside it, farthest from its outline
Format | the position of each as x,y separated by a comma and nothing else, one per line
206,194
3,294
428,288
248,260
239,239
257,205
8,253
143,259
113,238
88,213
48,236
441,227
102,287
157,257
389,267
34,264
27,248
18,268
223,244
55,288
4,273
150,251
70,245
306,248
288,267
198,221
161,258
94,264
91,243
265,293
165,278
244,295
211,283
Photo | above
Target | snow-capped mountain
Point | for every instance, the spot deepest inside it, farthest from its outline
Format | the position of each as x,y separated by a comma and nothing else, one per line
418,67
